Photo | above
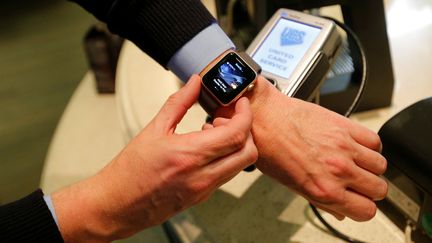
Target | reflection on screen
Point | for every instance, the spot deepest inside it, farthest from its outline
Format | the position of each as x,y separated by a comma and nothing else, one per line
285,46
230,76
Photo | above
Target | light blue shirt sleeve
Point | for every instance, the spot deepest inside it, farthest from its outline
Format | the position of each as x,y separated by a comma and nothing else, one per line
196,54
50,205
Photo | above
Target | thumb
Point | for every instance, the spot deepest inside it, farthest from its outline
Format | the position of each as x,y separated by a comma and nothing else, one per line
174,109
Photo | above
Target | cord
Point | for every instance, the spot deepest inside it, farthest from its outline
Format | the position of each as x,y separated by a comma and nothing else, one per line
171,232
364,65
364,75
334,231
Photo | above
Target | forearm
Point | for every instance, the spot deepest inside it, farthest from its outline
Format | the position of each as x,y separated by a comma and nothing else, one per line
92,210
80,213
102,208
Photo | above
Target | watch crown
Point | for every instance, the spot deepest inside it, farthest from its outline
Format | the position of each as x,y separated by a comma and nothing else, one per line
250,87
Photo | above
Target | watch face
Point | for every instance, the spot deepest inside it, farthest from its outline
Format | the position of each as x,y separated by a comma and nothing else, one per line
228,78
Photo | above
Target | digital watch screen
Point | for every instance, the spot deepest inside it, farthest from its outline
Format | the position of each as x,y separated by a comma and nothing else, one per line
228,78
285,46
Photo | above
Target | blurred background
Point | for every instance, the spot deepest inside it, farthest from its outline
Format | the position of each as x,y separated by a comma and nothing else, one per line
41,63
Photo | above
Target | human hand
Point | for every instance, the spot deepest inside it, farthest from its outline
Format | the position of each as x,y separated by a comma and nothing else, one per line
327,158
158,174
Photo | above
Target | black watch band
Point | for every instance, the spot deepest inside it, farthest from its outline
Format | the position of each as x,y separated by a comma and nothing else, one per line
206,99
207,102
255,66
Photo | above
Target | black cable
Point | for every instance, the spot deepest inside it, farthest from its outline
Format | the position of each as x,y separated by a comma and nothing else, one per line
171,232
364,65
334,231
350,35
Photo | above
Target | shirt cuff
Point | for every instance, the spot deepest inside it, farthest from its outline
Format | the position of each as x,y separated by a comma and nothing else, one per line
198,52
50,205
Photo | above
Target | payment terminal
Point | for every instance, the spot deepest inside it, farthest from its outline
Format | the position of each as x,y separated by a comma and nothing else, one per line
296,50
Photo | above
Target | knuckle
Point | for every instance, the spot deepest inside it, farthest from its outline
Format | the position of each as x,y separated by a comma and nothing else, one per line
172,99
337,140
198,187
238,139
218,121
180,165
342,144
339,168
326,195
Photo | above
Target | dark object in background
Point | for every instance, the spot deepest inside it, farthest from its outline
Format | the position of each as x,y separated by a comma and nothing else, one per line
370,28
406,140
103,49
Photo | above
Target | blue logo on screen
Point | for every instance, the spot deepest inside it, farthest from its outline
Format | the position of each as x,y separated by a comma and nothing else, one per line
232,76
292,36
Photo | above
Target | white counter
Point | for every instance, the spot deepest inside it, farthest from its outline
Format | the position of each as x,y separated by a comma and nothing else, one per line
252,207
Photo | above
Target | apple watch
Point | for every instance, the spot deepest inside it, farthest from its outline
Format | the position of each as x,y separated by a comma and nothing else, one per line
226,79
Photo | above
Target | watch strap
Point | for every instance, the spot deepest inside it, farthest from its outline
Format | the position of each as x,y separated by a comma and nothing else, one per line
255,66
207,102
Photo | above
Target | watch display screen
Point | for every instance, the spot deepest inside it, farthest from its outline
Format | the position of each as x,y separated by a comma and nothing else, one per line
228,78
284,47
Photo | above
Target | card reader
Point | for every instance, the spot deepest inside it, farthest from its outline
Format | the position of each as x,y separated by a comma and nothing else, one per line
296,50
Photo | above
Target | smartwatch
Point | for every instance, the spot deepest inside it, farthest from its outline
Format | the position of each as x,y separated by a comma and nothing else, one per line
226,79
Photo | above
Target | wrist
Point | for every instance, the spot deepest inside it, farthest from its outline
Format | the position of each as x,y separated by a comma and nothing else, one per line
267,104
263,98
81,213
259,96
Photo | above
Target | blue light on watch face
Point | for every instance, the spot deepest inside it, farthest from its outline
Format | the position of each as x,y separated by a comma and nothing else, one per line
228,78
231,75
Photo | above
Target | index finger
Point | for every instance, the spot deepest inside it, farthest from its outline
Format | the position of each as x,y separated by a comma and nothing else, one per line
228,137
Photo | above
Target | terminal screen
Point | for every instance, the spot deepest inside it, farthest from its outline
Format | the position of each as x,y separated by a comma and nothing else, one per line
285,46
